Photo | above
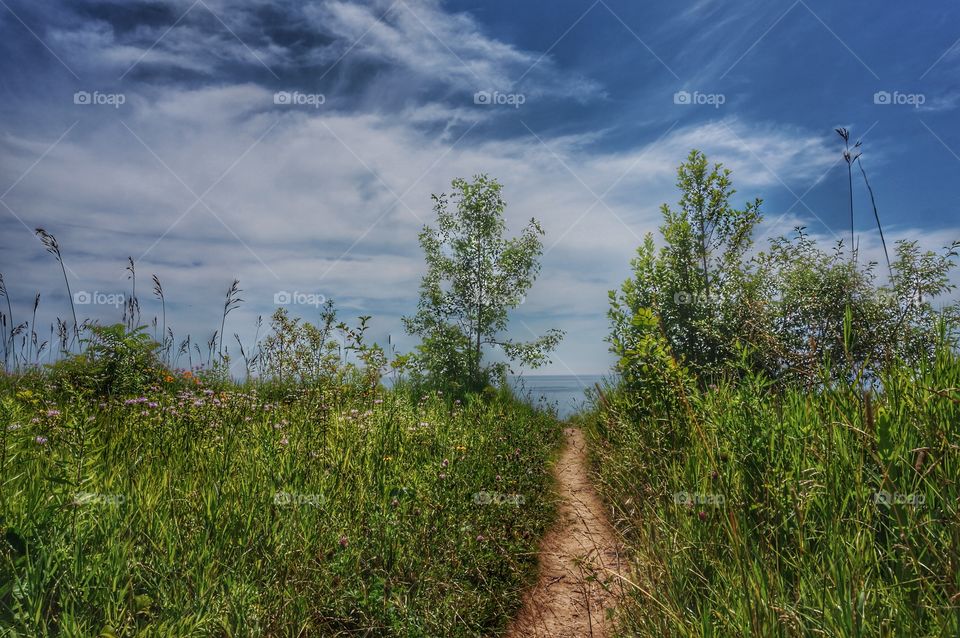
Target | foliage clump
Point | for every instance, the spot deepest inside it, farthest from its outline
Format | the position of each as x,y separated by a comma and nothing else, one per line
115,362
474,277
784,309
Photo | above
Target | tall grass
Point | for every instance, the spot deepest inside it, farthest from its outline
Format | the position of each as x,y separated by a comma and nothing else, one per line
9,336
214,509
52,246
757,510
140,499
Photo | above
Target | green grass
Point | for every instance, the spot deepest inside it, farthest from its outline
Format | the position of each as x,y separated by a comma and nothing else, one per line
221,511
753,511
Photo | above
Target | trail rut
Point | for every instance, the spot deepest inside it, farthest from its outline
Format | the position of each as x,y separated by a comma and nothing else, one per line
580,561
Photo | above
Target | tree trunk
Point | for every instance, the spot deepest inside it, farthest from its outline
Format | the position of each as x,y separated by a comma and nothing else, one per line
476,360
703,255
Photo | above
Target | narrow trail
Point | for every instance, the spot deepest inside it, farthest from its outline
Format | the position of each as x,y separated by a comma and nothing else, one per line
580,562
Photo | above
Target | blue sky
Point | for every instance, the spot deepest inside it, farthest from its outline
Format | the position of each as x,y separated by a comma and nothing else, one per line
295,145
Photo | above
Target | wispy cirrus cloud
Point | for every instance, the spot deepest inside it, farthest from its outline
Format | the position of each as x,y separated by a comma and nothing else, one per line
331,202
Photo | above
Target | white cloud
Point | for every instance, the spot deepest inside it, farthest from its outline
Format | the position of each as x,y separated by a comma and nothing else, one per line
315,200
421,38
330,200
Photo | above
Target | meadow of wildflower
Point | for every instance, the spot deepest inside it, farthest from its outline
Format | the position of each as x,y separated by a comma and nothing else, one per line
202,507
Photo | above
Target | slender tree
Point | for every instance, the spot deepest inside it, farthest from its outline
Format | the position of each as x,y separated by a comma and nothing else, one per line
475,276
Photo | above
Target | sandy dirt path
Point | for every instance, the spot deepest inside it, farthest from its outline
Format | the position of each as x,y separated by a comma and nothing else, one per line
580,562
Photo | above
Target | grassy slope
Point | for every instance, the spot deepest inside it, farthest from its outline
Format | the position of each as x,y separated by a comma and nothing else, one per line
225,513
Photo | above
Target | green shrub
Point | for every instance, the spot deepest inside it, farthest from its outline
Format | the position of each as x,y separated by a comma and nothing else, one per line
784,308
115,362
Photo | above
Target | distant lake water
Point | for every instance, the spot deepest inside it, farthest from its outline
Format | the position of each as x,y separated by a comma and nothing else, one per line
564,391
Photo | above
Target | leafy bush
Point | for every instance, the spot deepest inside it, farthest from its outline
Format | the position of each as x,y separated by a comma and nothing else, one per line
115,362
784,309
786,512
301,352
